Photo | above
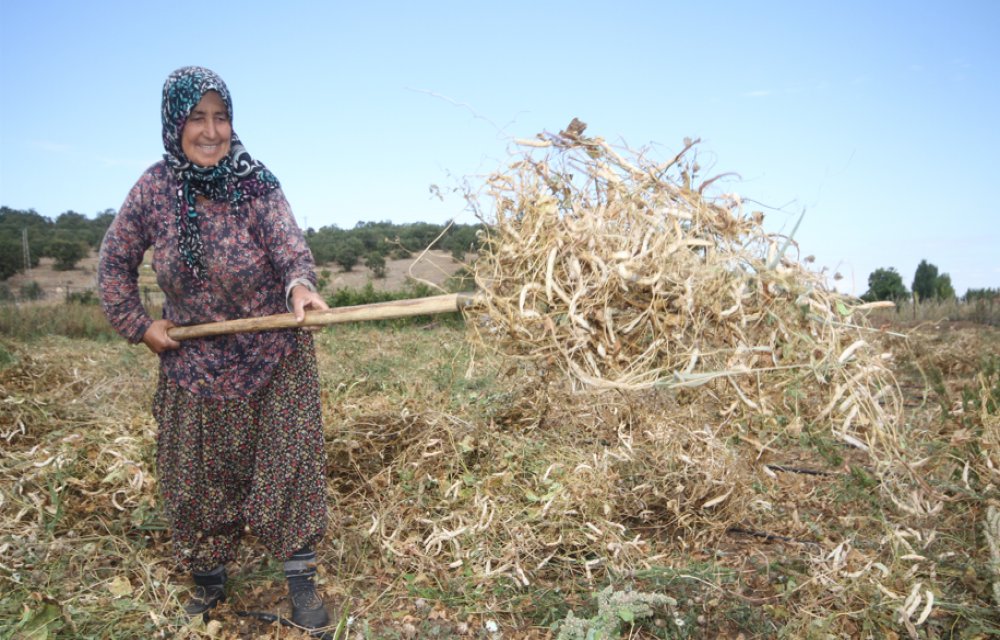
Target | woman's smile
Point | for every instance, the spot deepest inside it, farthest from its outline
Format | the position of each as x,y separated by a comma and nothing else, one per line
205,139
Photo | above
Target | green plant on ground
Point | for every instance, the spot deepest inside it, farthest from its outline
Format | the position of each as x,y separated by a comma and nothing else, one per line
614,610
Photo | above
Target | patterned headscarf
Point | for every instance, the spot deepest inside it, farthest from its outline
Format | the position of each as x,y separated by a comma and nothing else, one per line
236,179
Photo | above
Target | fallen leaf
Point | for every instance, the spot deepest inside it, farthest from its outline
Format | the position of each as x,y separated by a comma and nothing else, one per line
120,587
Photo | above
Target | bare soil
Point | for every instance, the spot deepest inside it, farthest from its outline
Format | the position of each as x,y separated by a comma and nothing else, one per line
434,267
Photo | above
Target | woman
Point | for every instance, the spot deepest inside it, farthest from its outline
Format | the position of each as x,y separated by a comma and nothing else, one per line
240,442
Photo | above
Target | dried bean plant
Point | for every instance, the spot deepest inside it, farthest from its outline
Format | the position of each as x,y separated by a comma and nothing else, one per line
624,274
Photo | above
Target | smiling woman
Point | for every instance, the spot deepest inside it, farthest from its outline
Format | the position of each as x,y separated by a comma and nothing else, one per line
205,139
240,434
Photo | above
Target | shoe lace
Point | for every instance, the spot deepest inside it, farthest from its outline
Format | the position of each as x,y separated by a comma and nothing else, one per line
206,593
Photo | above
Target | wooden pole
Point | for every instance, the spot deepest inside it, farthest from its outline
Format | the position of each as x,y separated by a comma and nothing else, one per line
448,303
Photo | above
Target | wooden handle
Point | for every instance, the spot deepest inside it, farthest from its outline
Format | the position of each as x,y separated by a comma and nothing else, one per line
378,311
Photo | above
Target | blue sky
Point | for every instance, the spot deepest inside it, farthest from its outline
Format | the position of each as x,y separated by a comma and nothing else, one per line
879,119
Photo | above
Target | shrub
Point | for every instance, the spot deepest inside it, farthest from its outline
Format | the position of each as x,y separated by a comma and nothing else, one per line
376,262
31,291
369,295
67,253
347,253
366,295
83,297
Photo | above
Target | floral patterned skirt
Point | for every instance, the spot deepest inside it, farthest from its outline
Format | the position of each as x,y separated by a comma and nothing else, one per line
253,464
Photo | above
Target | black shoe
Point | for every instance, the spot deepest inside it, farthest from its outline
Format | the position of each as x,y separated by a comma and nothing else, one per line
204,599
307,607
209,590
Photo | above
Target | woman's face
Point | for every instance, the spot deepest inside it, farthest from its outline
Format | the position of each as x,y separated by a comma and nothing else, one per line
206,134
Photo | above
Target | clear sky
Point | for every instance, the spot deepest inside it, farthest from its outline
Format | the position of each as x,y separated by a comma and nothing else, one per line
879,119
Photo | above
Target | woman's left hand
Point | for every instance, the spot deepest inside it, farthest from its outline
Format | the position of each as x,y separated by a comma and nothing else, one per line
304,298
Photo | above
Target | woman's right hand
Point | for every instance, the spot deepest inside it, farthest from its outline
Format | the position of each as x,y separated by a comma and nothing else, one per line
156,337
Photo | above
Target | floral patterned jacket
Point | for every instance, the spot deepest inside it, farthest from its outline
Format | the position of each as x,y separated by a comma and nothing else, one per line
252,255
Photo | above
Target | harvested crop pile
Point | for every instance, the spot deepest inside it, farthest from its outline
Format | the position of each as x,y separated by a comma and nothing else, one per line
612,274
623,274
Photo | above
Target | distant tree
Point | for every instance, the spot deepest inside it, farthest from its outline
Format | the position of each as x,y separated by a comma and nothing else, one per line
14,224
71,220
11,258
376,262
17,219
975,295
885,284
399,252
322,249
943,289
464,238
67,253
925,281
347,252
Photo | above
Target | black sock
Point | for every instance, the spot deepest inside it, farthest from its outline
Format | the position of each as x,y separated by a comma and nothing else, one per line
214,578
300,569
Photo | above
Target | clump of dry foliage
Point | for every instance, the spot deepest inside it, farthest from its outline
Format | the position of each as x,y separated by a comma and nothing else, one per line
663,342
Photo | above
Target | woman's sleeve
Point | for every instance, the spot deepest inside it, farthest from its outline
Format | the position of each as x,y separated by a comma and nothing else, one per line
118,268
284,242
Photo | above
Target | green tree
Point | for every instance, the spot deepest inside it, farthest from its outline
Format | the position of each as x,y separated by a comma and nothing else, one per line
925,281
67,253
11,258
885,284
461,239
974,295
943,288
13,226
376,262
347,252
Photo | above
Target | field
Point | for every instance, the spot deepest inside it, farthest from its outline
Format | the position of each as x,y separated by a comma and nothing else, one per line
657,423
434,267
475,499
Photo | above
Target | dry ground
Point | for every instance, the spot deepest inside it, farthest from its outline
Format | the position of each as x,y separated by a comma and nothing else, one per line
434,267
415,433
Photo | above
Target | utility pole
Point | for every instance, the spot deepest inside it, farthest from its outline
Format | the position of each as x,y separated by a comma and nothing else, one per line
26,250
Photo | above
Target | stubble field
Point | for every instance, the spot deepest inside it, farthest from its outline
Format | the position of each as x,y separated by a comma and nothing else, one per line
471,498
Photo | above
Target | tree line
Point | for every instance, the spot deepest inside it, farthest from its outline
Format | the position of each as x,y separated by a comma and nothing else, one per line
372,243
71,236
928,284
67,239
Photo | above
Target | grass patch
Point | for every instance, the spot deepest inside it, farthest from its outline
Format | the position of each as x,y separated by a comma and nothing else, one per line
40,321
